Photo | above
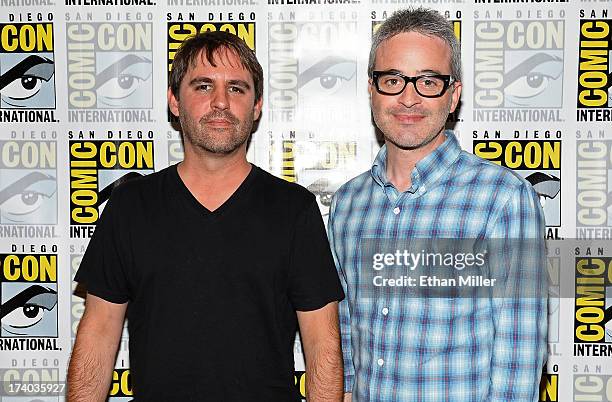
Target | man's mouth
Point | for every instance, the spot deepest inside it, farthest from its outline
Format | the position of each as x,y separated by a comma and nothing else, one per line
408,118
219,123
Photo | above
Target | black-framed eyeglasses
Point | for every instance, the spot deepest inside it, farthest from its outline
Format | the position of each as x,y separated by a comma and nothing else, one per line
428,86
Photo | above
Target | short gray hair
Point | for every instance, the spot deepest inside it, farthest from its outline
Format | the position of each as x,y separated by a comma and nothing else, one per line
424,21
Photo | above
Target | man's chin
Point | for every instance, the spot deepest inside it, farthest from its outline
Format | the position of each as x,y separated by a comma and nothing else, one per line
412,145
219,150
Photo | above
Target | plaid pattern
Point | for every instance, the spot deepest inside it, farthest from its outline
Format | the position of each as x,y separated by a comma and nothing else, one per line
484,349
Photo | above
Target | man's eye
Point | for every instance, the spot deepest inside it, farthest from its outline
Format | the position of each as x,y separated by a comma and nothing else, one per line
236,89
391,82
430,82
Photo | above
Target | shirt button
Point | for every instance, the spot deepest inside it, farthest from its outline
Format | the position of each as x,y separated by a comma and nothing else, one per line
396,210
380,362
385,311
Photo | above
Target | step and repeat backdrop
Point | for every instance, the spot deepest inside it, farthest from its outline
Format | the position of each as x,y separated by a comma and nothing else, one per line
83,103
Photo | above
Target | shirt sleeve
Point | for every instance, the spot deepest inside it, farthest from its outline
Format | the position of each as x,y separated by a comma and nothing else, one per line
103,269
345,315
313,278
521,311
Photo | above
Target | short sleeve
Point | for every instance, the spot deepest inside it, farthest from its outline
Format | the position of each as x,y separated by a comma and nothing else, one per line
313,280
103,269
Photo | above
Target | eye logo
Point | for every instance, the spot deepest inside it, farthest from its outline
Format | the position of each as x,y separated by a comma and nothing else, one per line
28,184
27,198
27,66
28,83
23,314
535,82
545,185
328,76
28,295
324,80
125,82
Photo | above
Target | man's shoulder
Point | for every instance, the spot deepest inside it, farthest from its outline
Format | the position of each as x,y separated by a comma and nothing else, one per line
354,185
136,185
486,172
276,187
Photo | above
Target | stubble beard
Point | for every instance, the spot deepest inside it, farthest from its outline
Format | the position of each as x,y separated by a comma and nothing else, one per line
390,129
216,140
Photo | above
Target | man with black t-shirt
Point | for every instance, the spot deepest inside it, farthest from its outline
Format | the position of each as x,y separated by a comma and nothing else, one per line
215,261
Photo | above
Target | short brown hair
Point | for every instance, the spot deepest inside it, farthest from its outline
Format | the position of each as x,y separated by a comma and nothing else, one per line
208,43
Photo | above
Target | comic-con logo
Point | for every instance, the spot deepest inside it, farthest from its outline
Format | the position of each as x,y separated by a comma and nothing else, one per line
538,161
593,387
311,71
595,70
28,183
96,167
593,174
179,31
27,72
518,70
109,71
29,296
549,387
320,166
593,304
121,386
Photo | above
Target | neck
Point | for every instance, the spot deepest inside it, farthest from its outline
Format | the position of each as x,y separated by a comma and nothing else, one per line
213,178
200,166
401,162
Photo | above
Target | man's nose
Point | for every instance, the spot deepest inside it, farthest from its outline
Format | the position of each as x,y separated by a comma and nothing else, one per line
409,96
220,98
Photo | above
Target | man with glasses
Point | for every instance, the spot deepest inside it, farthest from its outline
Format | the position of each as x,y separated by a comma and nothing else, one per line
423,186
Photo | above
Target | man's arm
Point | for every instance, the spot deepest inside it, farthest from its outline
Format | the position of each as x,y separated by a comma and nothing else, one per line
520,313
321,342
95,349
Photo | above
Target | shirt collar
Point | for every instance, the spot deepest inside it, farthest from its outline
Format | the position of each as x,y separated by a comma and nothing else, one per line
427,170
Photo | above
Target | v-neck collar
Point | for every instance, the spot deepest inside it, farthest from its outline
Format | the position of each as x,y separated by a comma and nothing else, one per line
233,199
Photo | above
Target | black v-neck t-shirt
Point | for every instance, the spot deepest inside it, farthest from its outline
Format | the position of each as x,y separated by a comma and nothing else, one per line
212,296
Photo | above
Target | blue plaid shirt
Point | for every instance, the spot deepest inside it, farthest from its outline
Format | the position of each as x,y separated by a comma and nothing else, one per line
439,349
